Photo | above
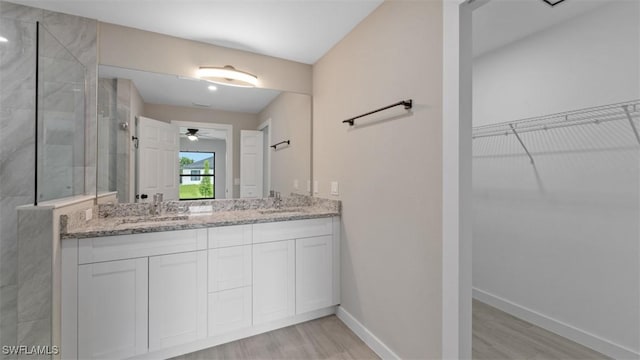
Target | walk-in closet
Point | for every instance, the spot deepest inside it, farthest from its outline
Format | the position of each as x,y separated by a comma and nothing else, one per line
556,179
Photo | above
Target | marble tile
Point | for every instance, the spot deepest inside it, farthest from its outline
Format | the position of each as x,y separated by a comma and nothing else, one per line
17,64
9,317
16,137
13,11
34,333
9,238
35,228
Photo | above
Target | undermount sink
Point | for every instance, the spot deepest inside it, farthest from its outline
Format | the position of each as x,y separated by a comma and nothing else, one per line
283,210
134,220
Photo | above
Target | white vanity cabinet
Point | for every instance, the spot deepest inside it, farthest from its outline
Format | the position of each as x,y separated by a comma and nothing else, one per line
273,281
112,309
230,279
314,276
177,298
156,295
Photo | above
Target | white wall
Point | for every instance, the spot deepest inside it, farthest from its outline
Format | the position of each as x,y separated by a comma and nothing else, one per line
290,116
211,145
562,238
389,168
591,60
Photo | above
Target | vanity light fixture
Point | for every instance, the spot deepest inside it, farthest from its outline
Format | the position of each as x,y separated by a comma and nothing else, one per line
3,39
227,75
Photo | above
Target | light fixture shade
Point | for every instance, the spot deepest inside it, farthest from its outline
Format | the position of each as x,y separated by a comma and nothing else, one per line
228,75
192,137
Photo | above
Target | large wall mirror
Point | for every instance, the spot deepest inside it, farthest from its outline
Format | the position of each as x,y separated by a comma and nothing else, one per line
191,139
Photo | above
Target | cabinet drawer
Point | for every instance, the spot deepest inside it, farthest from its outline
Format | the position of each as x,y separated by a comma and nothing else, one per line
229,268
288,230
225,236
140,245
229,310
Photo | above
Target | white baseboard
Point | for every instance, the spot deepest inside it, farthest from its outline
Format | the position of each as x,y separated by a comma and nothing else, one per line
367,336
582,337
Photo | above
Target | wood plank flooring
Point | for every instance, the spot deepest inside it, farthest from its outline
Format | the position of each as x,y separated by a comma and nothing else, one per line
324,338
498,335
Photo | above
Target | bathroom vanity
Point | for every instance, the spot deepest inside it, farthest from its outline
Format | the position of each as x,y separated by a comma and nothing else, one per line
163,285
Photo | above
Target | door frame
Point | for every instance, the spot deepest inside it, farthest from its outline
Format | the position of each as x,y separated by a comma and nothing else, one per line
267,156
228,191
456,176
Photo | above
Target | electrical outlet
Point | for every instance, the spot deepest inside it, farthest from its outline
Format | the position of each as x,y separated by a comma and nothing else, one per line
88,214
334,188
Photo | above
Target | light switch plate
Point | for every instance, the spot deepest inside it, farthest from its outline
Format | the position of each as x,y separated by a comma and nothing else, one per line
296,185
334,188
315,187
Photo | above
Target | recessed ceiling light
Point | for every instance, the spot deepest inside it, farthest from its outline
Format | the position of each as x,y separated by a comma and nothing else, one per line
3,39
212,88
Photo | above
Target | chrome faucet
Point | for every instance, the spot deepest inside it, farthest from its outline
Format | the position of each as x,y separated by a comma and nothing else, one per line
277,201
156,206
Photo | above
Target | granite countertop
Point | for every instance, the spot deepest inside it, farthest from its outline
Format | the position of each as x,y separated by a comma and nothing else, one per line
130,219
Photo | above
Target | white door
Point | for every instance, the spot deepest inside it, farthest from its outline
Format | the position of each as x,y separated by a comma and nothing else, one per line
251,163
112,309
177,298
314,273
158,163
273,281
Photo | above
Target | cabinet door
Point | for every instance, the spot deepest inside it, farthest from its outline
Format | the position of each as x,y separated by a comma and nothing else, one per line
229,268
112,309
177,298
229,310
314,273
273,281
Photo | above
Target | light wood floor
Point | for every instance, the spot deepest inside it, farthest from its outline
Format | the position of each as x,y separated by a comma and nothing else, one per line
498,336
325,338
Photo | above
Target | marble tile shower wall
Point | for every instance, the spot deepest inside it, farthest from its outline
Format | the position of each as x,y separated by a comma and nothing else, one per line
17,146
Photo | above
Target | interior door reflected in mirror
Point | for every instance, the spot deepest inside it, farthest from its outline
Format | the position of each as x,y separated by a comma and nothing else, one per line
182,137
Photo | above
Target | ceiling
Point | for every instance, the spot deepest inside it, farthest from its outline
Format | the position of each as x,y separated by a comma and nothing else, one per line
298,30
204,133
501,22
167,89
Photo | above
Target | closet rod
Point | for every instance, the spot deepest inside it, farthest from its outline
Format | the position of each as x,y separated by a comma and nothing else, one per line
629,111
408,104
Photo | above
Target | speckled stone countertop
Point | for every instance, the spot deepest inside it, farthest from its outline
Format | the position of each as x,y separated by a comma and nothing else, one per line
122,219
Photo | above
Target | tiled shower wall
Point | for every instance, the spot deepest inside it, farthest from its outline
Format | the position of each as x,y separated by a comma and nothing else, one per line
17,142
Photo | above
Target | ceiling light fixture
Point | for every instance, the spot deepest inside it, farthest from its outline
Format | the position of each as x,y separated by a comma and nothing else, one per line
192,134
553,2
212,88
227,75
3,39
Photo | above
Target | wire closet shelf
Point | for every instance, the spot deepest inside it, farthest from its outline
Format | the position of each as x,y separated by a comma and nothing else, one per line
626,111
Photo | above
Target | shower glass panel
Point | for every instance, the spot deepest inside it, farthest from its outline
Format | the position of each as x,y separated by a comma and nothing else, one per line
60,127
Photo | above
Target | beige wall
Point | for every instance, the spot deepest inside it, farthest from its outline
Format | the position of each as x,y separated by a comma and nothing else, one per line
142,50
240,121
390,171
290,116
